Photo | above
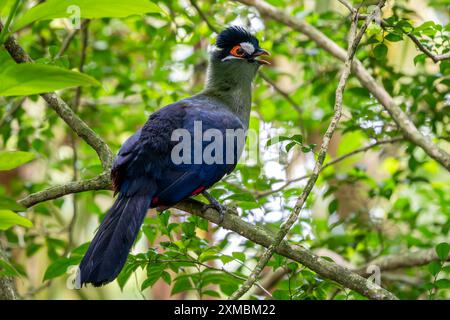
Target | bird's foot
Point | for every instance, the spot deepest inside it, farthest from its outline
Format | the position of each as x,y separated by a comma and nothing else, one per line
214,204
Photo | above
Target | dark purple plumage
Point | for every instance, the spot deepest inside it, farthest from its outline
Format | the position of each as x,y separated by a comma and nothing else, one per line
144,176
234,35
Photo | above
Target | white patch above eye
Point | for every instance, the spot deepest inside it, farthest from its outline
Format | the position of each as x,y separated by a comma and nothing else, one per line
248,47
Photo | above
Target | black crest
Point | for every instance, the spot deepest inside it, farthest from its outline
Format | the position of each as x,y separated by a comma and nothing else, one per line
234,35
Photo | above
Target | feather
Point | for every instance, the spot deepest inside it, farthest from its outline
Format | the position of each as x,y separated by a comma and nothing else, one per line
109,249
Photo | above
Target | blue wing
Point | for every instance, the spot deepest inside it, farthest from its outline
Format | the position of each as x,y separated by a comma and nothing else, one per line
145,158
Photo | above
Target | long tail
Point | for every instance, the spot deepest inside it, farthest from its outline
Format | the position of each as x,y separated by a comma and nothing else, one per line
109,249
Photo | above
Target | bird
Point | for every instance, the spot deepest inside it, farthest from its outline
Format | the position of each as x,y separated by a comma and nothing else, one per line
144,174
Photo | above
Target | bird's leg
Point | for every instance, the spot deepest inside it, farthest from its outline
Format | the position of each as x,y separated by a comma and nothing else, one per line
213,203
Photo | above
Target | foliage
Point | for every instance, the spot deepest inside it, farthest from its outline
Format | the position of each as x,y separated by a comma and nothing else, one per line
387,201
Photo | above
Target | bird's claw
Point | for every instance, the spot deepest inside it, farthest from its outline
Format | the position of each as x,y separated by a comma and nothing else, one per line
218,207
214,204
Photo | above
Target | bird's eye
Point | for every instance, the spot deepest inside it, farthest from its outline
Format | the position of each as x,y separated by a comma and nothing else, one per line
237,51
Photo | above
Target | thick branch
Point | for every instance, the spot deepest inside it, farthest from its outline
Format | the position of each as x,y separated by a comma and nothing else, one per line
232,222
262,236
100,182
8,289
401,260
63,110
408,128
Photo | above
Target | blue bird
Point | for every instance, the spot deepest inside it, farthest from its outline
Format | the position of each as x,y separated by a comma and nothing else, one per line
147,173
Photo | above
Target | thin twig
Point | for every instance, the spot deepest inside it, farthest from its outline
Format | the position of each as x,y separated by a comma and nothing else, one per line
355,38
10,113
401,261
217,269
347,5
203,16
384,24
261,194
68,39
283,93
73,138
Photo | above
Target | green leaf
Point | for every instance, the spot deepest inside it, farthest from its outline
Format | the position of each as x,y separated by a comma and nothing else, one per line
59,267
125,274
241,196
188,229
181,284
419,58
154,272
212,293
380,51
239,256
13,159
443,283
88,9
9,218
226,259
6,269
434,268
166,277
27,79
394,37
442,250
333,206
290,145
10,204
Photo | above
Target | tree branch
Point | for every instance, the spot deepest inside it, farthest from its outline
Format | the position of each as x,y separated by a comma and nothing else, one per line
68,39
401,260
234,223
8,116
63,110
435,57
8,289
101,182
354,39
261,194
408,128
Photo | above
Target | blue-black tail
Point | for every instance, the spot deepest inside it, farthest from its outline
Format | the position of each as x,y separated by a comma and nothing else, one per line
109,249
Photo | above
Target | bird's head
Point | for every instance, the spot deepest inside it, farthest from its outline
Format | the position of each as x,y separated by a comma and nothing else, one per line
237,45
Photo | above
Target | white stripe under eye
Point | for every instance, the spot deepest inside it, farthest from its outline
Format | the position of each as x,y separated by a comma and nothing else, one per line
230,57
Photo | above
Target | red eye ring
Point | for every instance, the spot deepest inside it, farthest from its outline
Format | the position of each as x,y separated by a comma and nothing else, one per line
237,51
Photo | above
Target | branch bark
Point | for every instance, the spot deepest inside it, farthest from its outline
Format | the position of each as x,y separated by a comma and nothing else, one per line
408,128
8,289
101,182
401,260
265,238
